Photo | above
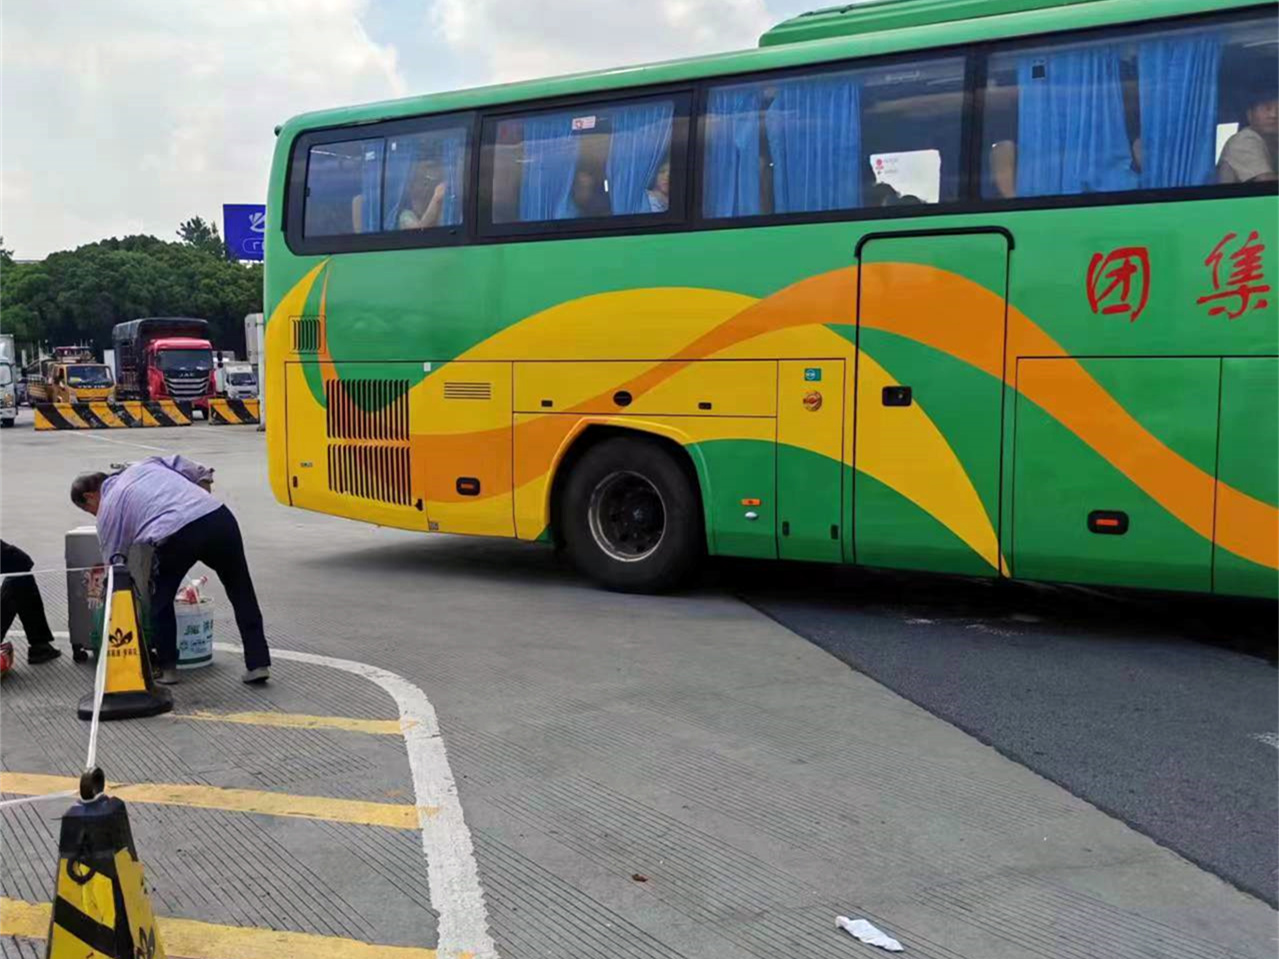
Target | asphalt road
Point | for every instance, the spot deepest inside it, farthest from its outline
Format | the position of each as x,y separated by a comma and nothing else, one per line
669,777
1160,710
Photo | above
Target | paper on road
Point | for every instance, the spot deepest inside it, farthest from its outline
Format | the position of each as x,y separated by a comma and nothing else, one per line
868,933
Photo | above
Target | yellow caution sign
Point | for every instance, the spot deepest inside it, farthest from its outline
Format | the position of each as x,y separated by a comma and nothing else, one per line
102,910
130,690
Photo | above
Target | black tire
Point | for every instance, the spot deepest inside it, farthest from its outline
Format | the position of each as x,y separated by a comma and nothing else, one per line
8,423
615,498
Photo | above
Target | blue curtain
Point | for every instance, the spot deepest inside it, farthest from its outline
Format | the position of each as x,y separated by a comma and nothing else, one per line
732,152
550,162
453,156
371,185
814,138
399,167
1177,80
1071,136
641,143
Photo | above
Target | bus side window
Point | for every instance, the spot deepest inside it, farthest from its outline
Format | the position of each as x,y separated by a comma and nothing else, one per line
879,136
586,163
343,188
1147,110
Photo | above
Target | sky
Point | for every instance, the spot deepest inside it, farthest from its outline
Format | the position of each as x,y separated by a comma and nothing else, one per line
130,116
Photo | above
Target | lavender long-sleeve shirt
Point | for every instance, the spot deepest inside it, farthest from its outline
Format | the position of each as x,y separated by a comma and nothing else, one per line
150,501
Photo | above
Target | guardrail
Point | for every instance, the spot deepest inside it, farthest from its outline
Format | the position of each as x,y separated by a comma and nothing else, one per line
128,414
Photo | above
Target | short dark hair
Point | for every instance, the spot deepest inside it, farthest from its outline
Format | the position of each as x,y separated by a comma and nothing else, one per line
84,484
1259,95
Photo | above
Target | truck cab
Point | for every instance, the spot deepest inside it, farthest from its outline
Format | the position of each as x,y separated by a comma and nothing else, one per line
8,396
165,357
82,383
241,383
181,368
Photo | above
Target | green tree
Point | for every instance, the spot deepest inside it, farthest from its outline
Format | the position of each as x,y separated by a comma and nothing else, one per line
202,235
78,295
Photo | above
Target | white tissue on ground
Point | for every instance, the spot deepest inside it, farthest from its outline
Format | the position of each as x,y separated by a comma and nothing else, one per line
868,933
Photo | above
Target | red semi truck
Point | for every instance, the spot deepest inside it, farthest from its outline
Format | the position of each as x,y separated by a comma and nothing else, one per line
164,358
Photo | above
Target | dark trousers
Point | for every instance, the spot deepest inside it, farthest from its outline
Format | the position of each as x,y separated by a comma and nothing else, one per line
215,541
20,597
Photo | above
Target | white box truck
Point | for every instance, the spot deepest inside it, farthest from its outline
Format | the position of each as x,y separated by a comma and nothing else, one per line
8,381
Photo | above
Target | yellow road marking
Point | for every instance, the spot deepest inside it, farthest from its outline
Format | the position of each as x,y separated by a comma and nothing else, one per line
206,940
376,727
391,815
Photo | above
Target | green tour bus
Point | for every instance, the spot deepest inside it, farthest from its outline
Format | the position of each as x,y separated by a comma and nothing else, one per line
983,287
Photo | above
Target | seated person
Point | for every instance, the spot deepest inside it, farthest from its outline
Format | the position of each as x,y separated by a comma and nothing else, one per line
659,194
587,199
425,201
1003,168
1249,155
880,193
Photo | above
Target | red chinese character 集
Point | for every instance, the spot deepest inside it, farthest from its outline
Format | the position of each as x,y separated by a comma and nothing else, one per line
1124,268
1244,281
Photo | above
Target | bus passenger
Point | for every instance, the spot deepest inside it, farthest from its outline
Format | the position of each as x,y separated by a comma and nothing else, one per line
426,198
587,200
659,195
1249,155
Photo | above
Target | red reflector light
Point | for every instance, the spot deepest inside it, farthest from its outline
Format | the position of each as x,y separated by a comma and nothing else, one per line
750,502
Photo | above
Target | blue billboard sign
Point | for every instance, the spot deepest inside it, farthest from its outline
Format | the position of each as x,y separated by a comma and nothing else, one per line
244,226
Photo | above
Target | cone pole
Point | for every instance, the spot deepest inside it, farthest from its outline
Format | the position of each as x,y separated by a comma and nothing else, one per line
130,687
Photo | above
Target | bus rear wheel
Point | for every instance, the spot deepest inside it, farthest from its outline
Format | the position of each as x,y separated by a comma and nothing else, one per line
631,517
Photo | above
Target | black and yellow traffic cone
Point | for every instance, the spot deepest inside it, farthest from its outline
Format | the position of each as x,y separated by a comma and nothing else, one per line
101,909
130,689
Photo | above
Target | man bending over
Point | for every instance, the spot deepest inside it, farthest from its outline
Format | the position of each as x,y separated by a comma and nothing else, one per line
164,501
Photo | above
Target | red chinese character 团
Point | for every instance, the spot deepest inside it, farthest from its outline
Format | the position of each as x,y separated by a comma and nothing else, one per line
1122,267
1244,281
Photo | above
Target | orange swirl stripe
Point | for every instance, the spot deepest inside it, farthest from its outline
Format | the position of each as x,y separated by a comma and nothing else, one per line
934,315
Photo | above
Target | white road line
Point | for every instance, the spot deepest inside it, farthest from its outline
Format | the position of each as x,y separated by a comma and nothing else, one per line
451,873
112,439
1270,739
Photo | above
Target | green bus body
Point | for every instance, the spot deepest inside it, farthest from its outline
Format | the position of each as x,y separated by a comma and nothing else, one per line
1088,445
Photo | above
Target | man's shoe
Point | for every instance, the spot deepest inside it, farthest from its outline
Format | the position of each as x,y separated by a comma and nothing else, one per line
79,654
259,675
42,653
168,676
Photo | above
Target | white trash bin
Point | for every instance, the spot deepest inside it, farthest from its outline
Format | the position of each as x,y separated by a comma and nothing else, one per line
195,633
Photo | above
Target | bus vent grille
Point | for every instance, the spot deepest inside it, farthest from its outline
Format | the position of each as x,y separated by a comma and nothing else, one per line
374,472
368,410
308,334
468,391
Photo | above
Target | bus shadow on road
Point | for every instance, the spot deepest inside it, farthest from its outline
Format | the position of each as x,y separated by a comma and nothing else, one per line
1249,626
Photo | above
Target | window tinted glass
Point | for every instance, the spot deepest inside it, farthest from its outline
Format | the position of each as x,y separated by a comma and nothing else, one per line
1184,107
884,136
343,188
591,162
425,180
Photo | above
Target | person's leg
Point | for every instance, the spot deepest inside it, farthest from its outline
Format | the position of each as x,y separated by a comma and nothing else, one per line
224,554
170,563
20,597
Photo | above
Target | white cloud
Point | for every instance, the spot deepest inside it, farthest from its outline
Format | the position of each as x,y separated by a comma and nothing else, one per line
132,115
516,41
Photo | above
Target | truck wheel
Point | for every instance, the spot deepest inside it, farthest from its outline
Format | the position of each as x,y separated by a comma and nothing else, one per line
632,517
8,423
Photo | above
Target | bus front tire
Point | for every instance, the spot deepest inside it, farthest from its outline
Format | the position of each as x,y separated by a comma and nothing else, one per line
632,517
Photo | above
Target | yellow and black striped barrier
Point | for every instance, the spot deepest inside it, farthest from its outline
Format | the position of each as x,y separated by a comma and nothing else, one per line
234,412
110,416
